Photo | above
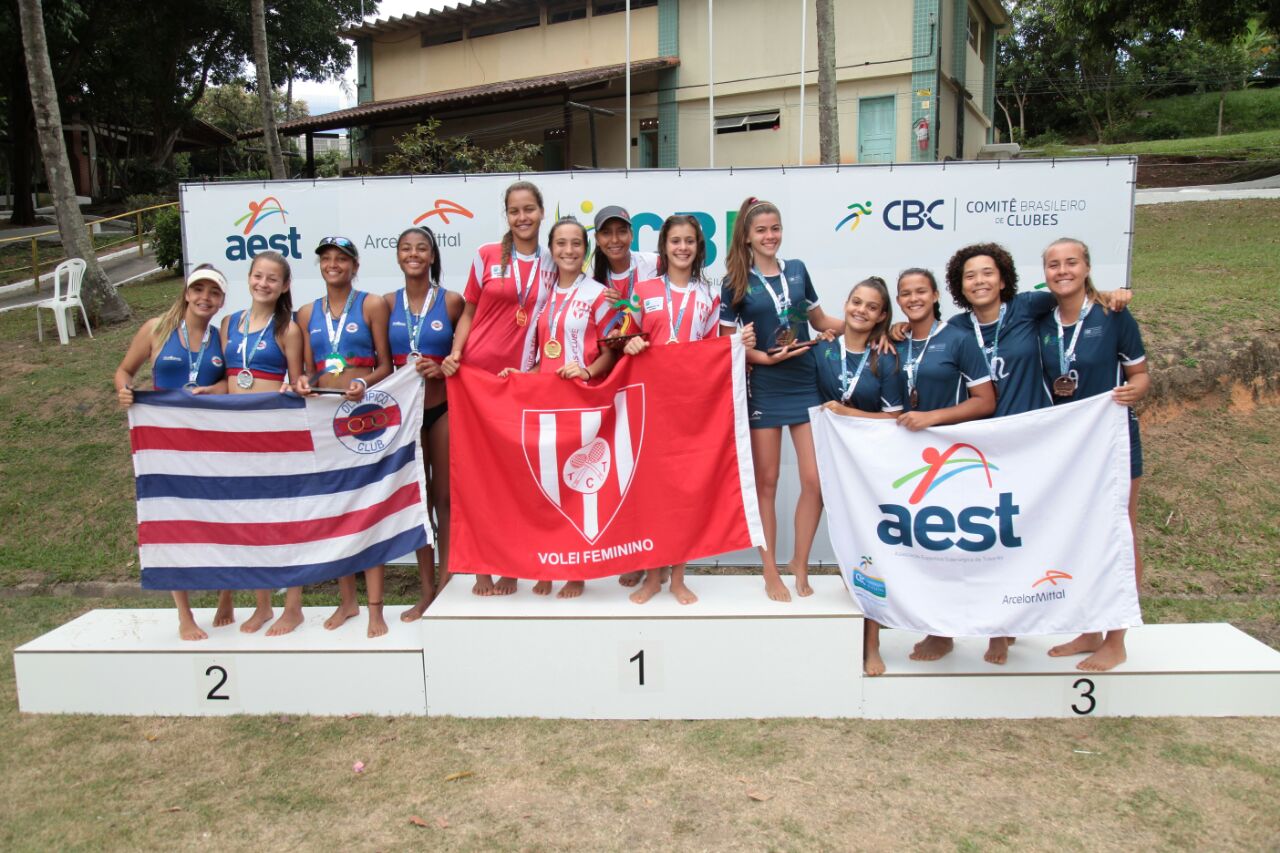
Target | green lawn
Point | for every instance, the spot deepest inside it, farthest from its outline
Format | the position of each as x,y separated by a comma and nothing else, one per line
1255,145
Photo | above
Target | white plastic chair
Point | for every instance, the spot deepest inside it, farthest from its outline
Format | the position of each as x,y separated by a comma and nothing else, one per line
65,300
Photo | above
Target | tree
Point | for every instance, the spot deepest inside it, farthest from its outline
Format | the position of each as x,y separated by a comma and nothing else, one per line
100,296
828,117
275,161
422,151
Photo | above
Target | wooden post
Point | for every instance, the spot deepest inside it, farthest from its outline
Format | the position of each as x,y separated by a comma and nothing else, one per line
35,265
141,253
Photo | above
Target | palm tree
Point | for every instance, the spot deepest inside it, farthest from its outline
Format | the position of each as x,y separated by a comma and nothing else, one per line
275,159
99,294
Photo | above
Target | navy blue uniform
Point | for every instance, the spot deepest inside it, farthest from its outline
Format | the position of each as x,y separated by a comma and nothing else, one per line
1109,341
948,369
1014,357
435,334
781,394
355,343
878,390
174,361
266,361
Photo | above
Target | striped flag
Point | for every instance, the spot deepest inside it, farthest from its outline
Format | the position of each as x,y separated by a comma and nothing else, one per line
260,491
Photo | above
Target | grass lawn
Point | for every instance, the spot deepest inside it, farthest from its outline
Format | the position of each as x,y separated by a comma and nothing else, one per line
1255,145
1210,527
287,782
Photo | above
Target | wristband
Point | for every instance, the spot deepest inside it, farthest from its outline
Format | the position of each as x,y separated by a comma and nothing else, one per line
360,379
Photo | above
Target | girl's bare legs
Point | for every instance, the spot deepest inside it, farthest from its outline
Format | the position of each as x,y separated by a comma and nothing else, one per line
808,507
872,663
683,594
373,588
225,613
292,616
766,450
347,605
651,586
187,627
262,612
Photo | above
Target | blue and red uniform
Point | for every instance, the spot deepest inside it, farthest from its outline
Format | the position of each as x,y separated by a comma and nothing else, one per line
174,361
266,361
435,331
356,342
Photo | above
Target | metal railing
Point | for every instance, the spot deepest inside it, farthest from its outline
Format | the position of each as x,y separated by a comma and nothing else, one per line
137,234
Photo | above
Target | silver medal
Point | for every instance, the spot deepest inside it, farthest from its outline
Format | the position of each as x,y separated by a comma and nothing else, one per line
244,379
412,358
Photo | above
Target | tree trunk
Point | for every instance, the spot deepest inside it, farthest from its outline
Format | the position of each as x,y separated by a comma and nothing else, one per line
100,296
828,116
275,160
22,162
1008,119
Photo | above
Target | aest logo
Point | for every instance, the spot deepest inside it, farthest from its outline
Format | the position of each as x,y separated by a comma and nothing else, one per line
246,245
932,527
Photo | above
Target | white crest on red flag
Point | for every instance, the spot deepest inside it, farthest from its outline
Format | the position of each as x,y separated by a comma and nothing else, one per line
584,460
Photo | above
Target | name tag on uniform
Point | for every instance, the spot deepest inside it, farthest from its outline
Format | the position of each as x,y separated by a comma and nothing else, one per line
1091,331
653,303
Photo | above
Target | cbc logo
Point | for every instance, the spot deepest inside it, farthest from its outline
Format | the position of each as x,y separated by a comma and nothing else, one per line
909,214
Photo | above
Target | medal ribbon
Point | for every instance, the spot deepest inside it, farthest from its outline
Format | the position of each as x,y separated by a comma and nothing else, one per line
523,287
246,357
1065,358
689,296
335,335
995,345
846,387
415,320
556,311
193,367
913,364
781,301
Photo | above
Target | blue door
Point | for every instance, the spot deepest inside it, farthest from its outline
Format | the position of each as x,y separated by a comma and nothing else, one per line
875,130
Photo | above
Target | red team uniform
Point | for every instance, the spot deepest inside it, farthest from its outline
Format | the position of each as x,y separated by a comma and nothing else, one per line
698,319
503,297
579,315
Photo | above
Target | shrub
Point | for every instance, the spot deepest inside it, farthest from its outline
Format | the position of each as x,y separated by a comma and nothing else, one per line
168,238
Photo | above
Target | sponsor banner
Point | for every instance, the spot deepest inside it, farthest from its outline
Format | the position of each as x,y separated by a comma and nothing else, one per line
261,491
552,479
1009,526
846,223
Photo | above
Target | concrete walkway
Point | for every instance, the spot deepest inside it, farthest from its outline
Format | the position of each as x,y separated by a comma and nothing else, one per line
1261,188
121,267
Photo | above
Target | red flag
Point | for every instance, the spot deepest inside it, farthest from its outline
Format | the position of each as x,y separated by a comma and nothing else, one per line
556,480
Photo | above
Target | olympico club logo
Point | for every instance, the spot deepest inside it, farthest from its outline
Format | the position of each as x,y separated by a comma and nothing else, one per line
854,219
909,214
584,460
931,526
246,245
370,425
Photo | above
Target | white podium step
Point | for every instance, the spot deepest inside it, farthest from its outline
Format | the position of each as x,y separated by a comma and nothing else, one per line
132,662
1197,670
732,654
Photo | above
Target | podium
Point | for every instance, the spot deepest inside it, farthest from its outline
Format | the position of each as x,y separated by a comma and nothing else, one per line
732,654
132,662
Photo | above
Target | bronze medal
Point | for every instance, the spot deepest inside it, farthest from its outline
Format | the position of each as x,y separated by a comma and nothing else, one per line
552,349
915,399
1064,386
785,336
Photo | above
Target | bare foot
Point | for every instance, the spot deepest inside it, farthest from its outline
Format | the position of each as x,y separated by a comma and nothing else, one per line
1081,645
189,630
803,589
997,650
776,589
1108,656
572,589
872,663
683,594
932,648
414,613
630,578
225,614
259,618
542,588
290,619
341,615
377,625
651,587
483,585
505,586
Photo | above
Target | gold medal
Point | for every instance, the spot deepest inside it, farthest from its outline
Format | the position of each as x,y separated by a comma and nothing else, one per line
522,317
552,349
